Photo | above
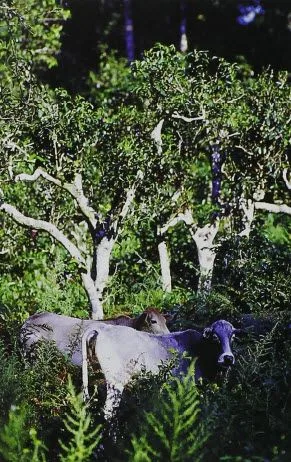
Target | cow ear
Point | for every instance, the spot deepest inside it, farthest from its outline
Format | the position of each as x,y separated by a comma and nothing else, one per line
168,317
140,320
207,333
145,318
171,317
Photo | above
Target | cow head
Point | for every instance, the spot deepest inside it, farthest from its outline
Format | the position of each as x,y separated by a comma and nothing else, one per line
220,334
152,321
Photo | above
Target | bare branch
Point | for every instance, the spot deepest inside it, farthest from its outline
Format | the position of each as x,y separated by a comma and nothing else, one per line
50,228
186,217
130,195
10,168
172,222
82,201
175,115
12,145
75,189
274,208
244,150
287,182
224,134
156,135
38,172
175,196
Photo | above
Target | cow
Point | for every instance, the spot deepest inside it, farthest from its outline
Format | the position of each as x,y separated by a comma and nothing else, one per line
151,320
67,331
122,353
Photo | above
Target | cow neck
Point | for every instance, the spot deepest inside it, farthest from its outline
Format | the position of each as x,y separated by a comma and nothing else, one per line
189,340
208,354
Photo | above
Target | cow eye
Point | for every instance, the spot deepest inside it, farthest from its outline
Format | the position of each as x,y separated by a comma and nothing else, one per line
153,321
215,338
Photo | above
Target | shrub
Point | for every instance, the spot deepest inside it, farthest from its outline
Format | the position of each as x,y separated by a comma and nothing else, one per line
77,422
173,431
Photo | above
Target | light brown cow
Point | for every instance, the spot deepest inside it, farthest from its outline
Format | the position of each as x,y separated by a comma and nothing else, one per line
67,332
151,320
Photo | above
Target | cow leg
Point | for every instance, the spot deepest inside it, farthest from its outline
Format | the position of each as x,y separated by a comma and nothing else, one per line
113,398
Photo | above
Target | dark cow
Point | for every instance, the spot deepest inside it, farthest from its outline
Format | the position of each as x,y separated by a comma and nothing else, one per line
67,332
122,353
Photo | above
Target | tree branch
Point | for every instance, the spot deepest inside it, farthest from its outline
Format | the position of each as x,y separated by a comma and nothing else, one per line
186,217
244,150
287,182
248,209
50,228
130,195
274,208
175,115
75,189
156,135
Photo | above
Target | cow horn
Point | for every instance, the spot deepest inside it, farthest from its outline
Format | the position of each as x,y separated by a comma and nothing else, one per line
207,332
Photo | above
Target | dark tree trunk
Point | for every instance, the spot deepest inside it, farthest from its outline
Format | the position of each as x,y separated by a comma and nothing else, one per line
183,27
128,31
217,160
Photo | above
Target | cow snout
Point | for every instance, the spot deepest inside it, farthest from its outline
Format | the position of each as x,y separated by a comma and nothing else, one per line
226,360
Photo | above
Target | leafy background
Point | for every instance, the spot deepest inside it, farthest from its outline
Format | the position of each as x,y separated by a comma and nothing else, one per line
72,104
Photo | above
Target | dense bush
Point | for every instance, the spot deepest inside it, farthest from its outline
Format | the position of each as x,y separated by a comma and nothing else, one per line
250,410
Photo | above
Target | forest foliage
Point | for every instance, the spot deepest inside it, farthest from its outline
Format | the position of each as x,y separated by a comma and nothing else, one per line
179,158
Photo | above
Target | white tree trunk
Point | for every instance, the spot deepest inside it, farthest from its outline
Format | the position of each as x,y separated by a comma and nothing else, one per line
103,255
94,287
165,266
96,305
74,251
249,211
204,238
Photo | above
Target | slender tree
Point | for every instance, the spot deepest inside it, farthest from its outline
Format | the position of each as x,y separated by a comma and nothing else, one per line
183,27
128,30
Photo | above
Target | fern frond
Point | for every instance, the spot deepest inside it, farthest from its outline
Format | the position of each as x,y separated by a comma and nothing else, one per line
173,433
77,422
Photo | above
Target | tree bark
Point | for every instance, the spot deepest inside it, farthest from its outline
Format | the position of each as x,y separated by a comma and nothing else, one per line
165,266
103,255
162,246
92,294
183,28
285,178
128,26
204,238
274,208
248,209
